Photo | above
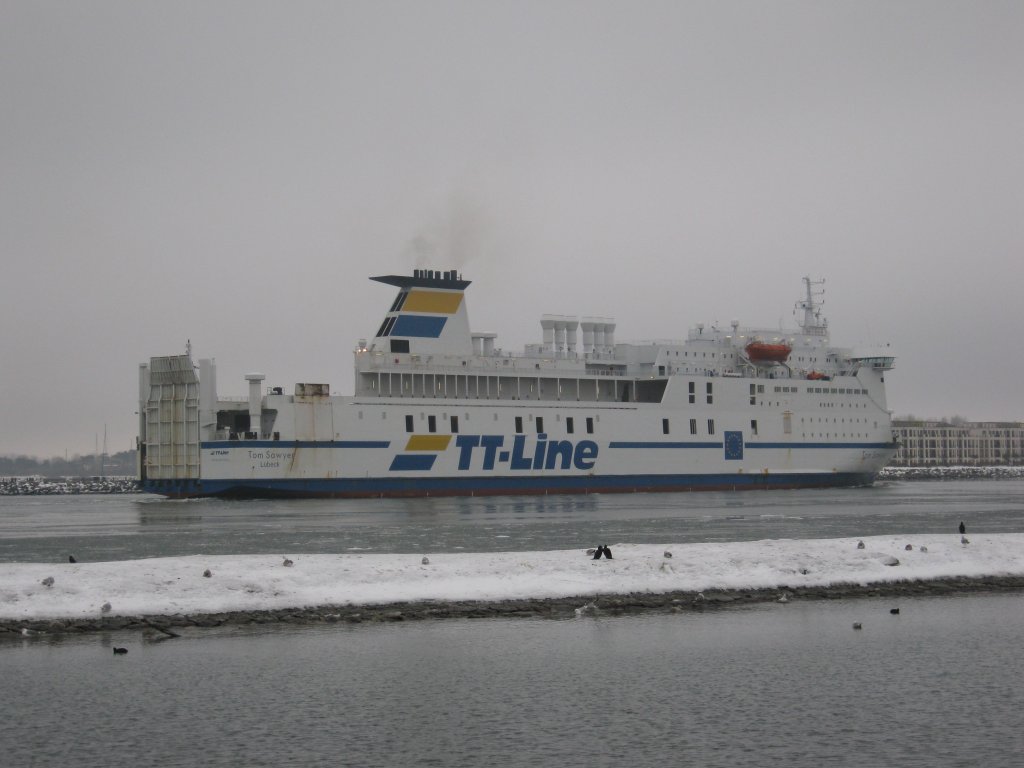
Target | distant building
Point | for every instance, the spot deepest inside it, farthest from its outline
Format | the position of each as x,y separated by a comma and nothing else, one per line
965,444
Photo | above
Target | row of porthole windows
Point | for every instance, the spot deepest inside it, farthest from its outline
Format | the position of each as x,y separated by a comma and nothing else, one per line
589,423
841,420
666,426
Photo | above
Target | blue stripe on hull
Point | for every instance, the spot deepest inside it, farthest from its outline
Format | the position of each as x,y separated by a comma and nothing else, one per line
499,486
295,444
413,462
815,446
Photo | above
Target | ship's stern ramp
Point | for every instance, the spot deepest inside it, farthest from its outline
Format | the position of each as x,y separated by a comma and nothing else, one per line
170,428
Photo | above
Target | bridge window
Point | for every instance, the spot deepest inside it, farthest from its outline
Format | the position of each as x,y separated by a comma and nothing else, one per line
432,423
408,423
569,425
693,426
455,425
664,426
711,426
540,424
590,425
519,425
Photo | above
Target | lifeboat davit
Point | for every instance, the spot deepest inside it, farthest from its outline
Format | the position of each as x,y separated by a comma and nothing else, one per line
760,352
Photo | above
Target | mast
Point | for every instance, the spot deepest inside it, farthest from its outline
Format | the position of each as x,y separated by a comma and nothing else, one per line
813,324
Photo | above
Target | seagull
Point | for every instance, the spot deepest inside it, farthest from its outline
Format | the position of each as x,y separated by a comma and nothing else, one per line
287,563
105,608
586,610
425,560
909,547
591,551
924,548
207,573
668,555
963,540
860,545
48,581
784,598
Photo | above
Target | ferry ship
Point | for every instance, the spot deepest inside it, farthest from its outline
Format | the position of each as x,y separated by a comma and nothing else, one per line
439,410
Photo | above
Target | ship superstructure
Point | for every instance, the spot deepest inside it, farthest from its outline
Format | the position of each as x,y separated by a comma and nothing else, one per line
438,409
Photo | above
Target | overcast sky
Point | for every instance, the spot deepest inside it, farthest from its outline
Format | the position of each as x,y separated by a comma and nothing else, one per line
232,172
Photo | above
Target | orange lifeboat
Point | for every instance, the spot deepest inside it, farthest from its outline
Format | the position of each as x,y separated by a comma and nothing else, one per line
760,352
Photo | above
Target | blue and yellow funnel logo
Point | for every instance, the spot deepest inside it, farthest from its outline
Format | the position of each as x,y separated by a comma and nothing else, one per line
420,453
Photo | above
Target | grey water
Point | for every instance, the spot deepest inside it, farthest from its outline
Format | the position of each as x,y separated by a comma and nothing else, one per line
792,684
118,527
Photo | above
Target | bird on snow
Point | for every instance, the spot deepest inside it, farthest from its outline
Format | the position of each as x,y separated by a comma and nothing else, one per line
860,545
48,581
105,608
207,573
856,625
120,651
784,598
71,559
894,611
699,598
964,540
591,551
924,548
668,555
909,547
287,563
425,560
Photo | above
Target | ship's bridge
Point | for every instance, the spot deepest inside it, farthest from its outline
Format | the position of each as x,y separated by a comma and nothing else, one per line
878,358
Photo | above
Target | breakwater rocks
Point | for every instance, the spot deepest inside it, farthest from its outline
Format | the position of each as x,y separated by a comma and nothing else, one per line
951,473
45,486
156,628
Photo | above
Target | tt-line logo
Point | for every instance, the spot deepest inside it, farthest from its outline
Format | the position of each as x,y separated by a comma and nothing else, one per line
546,454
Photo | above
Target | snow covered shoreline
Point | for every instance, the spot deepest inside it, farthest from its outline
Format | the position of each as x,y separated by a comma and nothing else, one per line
41,486
340,586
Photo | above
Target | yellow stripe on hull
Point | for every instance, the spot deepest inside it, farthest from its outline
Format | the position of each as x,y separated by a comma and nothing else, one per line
428,442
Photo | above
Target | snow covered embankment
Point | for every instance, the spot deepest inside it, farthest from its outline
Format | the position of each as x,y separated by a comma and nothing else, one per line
177,585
